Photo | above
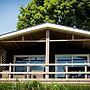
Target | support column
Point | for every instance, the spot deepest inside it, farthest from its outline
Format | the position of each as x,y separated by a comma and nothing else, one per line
47,53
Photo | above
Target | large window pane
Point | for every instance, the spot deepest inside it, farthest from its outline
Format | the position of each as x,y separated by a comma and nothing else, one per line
21,60
79,68
72,68
63,59
79,59
31,60
37,60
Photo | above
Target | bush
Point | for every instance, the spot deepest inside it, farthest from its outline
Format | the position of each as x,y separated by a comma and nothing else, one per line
34,85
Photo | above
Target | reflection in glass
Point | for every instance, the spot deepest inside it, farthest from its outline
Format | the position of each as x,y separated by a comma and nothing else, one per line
62,59
37,60
73,68
32,60
21,60
79,59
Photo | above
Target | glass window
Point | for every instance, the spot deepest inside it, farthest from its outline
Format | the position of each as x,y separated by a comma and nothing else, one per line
79,59
70,59
62,59
37,60
32,60
21,60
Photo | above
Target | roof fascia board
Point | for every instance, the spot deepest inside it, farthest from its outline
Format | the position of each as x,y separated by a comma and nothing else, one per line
45,26
65,28
34,28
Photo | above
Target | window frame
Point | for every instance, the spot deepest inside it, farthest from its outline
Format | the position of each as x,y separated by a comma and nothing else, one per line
15,56
72,55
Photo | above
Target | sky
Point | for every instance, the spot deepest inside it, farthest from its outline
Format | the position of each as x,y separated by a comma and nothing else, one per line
9,10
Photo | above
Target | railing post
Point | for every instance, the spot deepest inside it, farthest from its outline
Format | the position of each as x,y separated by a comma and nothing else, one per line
66,70
85,71
47,70
28,69
9,71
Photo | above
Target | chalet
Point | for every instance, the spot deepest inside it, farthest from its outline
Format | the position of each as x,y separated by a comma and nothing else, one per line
46,52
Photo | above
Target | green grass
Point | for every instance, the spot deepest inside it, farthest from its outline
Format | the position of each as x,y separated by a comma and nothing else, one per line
34,85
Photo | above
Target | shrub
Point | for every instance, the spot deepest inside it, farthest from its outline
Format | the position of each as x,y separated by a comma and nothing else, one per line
34,85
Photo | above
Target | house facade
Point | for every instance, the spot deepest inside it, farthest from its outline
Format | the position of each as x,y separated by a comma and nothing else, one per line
46,52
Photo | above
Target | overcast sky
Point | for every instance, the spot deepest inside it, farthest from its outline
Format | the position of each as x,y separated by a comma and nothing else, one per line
9,10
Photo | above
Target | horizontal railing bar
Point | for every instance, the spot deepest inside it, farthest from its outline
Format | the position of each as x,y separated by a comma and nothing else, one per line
69,40
22,64
44,72
20,41
68,64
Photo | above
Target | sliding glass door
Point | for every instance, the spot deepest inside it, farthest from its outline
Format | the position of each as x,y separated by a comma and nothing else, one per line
74,58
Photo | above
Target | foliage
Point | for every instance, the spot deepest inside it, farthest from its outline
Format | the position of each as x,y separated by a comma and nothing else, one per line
73,13
34,85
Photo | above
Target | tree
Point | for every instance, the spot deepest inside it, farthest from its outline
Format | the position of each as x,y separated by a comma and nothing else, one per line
73,13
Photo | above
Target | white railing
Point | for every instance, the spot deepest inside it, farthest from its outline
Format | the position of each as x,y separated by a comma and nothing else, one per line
10,72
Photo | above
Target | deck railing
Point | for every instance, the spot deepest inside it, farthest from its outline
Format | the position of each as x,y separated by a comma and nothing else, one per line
86,72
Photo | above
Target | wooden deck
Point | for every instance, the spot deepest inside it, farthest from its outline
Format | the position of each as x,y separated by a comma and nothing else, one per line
61,81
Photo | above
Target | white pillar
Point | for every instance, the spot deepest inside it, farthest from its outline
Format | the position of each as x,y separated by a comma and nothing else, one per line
47,53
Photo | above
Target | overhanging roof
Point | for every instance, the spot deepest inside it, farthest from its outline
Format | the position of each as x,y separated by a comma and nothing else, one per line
59,28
